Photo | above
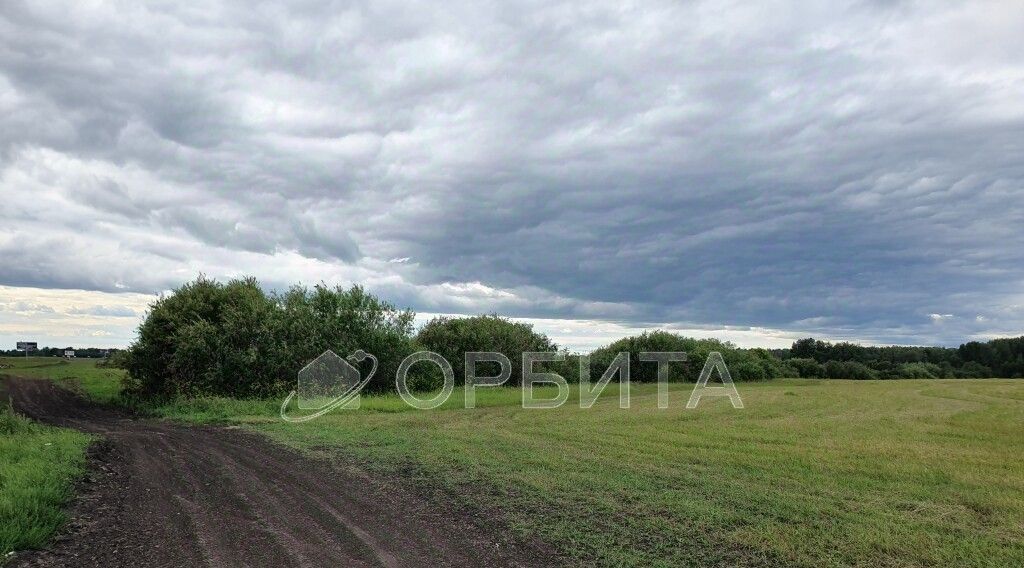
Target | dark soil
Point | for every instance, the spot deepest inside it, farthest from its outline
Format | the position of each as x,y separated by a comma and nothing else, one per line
159,493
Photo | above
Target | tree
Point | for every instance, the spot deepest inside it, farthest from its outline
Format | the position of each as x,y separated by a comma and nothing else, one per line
452,338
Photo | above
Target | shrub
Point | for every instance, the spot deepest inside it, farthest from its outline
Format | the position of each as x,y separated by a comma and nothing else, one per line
645,371
313,321
748,371
452,338
973,370
235,340
807,368
753,365
848,370
919,371
118,359
771,366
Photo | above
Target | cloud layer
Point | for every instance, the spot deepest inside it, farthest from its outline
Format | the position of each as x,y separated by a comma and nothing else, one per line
839,170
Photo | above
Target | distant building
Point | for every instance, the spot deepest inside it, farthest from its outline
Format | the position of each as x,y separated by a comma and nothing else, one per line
69,353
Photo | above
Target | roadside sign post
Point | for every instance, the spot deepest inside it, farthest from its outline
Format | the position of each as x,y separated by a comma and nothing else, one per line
27,346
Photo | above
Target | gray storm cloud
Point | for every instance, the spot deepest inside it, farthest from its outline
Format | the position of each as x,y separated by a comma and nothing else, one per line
846,170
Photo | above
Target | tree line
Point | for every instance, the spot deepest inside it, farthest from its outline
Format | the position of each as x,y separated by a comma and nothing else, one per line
82,352
843,360
235,339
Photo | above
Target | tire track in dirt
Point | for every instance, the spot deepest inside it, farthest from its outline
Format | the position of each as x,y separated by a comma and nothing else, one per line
164,494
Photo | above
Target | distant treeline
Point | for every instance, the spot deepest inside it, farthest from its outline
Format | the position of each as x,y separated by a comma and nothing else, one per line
995,358
235,339
84,352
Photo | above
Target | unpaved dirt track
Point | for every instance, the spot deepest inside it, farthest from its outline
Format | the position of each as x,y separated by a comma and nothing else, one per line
165,494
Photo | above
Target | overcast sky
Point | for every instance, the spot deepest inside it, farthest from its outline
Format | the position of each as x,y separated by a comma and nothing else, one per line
757,171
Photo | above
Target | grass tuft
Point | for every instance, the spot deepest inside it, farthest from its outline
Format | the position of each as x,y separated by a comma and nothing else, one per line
37,467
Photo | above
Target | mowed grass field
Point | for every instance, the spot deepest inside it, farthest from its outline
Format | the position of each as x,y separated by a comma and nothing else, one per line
38,465
811,472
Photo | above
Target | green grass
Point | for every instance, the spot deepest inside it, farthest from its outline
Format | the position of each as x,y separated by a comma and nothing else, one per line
220,410
814,473
98,383
37,466
38,463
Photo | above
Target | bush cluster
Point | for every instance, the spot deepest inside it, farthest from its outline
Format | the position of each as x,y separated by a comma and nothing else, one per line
234,339
744,365
452,338
848,370
996,358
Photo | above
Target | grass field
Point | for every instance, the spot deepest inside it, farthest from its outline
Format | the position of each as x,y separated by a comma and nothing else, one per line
38,463
78,374
815,473
37,467
896,473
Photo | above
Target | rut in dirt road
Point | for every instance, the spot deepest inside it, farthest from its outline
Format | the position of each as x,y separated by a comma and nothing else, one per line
165,494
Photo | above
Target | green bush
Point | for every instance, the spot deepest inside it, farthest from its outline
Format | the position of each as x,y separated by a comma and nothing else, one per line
807,368
38,465
848,370
236,340
752,365
748,371
118,359
919,371
973,370
452,338
313,321
771,366
645,371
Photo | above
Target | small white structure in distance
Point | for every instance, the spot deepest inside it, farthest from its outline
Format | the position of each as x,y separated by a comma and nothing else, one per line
69,353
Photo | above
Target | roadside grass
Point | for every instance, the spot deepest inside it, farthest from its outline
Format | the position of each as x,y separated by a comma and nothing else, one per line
104,385
98,383
37,467
221,410
811,472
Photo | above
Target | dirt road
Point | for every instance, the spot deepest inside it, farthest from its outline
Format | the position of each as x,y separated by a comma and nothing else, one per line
164,494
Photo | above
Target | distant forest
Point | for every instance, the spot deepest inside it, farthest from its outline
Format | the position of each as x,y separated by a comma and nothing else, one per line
995,358
235,339
83,352
813,358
